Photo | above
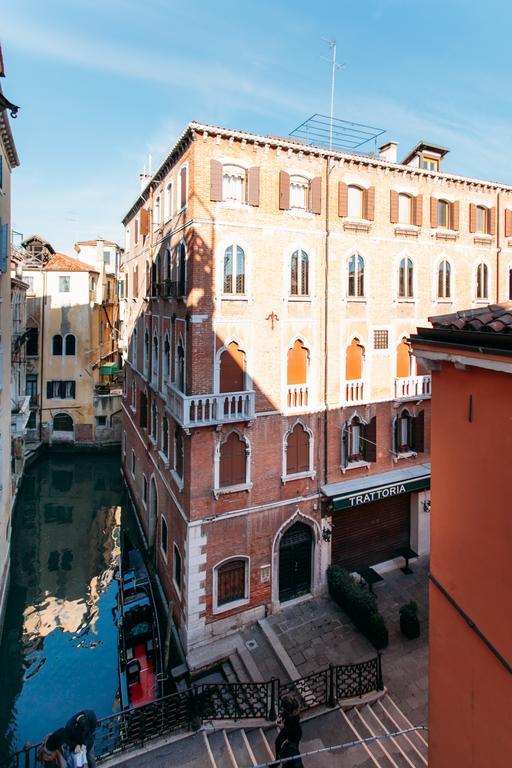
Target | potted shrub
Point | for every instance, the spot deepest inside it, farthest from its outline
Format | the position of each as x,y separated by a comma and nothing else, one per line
409,622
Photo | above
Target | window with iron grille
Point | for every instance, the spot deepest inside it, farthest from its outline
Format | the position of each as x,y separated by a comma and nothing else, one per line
231,582
380,339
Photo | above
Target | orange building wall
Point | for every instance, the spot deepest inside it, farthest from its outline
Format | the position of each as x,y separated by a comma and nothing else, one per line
471,542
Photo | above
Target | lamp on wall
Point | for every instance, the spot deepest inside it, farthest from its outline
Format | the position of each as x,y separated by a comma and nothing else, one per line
326,533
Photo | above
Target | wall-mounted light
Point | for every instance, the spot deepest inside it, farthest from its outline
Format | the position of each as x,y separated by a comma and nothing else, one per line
326,533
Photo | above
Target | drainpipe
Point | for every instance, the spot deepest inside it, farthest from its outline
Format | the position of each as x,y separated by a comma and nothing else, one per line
326,316
498,246
41,346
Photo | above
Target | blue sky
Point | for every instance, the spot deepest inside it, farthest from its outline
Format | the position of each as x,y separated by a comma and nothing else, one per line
103,83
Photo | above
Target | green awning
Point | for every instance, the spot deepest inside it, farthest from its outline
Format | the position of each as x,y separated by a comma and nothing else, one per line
364,490
109,369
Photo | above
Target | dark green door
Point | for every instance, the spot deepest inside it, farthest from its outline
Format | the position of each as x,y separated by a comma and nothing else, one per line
295,562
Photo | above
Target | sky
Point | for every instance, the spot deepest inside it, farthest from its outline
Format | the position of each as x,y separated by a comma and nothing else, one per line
103,84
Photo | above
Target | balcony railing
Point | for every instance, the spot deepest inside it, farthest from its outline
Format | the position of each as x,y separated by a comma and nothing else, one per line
204,410
298,396
169,289
354,391
412,387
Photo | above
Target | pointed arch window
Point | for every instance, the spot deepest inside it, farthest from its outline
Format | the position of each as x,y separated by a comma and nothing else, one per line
167,358
165,437
444,287
354,361
482,282
154,422
298,450
406,279
232,369
403,359
355,288
234,270
179,452
299,274
146,351
180,367
57,344
181,258
134,346
155,361
233,461
143,410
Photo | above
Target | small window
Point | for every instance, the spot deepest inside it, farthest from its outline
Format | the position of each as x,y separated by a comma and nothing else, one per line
179,449
57,344
106,257
101,421
143,410
167,359
64,284
430,163
405,279
183,187
482,282
355,276
234,270
482,219
32,347
70,344
299,193
444,280
154,422
163,535
168,202
165,437
231,582
355,202
144,490
177,567
380,339
156,213
233,183
134,462
443,214
404,209
299,274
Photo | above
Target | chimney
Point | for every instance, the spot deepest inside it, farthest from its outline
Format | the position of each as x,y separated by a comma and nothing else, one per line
144,178
389,151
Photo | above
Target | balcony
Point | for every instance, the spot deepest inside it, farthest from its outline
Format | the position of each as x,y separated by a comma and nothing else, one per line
205,410
298,397
354,392
413,387
169,289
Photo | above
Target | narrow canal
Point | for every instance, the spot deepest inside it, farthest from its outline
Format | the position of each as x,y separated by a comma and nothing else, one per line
59,646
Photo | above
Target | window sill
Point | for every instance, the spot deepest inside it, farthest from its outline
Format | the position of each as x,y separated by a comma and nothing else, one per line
406,301
234,297
230,606
232,489
443,301
355,465
298,476
164,458
446,234
235,205
407,230
177,479
356,299
405,455
303,299
152,440
483,239
301,213
481,301
361,225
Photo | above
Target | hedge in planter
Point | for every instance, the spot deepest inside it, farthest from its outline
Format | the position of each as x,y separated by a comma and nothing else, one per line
359,604
409,622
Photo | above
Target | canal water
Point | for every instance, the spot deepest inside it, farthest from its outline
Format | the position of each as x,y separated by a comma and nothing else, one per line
59,646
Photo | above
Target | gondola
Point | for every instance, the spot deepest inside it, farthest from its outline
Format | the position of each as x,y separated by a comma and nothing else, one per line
140,652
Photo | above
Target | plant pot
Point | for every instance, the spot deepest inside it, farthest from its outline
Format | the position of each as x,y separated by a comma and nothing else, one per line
410,627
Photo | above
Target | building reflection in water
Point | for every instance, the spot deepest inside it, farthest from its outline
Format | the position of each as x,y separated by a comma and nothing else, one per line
59,647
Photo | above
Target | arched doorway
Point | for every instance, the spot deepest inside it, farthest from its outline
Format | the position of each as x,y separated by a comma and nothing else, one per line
153,512
295,562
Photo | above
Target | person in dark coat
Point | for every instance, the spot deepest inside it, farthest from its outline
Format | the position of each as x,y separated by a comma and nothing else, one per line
54,750
81,729
290,731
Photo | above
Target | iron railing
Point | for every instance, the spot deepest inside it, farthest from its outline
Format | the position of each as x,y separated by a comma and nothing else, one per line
187,710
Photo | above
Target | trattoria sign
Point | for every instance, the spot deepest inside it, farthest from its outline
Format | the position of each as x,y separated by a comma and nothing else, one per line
385,491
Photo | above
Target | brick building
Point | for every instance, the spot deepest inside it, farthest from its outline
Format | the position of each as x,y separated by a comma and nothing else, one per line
274,419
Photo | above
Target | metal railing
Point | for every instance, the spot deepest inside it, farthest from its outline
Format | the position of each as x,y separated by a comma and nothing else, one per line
188,709
413,387
204,410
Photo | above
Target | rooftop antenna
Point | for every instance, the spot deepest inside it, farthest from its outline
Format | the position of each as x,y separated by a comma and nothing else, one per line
334,68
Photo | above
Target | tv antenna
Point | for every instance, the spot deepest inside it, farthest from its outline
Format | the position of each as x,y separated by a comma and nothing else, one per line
334,69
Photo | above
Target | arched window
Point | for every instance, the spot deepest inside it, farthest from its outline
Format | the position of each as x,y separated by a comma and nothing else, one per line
70,344
181,257
62,422
482,219
299,189
154,422
482,282
143,410
157,213
233,183
234,270
405,279
168,201
299,274
404,432
167,271
355,439
233,461
134,346
167,358
355,286
355,202
354,361
133,396
232,369
298,363
179,452
165,436
404,209
297,451
444,290
146,351
232,582
155,361
180,367
403,359
57,344
443,214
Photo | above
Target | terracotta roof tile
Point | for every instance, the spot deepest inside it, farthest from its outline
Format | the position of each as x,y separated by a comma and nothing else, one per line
59,262
491,318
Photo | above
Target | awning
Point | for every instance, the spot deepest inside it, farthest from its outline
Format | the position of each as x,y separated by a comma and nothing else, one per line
364,490
109,369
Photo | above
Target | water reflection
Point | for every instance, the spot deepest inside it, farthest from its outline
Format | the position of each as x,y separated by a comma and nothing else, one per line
59,648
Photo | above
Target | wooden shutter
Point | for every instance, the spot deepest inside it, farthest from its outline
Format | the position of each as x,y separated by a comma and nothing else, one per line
284,190
344,445
215,181
472,217
433,212
370,440
419,432
417,211
492,221
393,206
253,186
144,221
342,199
316,195
231,582
302,449
369,200
455,215
508,223
183,187
4,247
232,461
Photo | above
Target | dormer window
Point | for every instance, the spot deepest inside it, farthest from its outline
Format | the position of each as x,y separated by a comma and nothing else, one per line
430,163
233,183
299,189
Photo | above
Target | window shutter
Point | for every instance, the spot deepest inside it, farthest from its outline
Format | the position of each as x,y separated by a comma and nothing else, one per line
418,210
455,215
291,453
284,190
393,207
370,440
4,248
492,221
215,181
303,449
49,390
144,221
433,212
342,199
508,223
370,204
316,195
226,464
472,217
73,389
419,432
183,187
253,186
344,445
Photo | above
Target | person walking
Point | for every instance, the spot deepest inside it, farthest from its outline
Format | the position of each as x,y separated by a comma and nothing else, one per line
80,730
287,743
